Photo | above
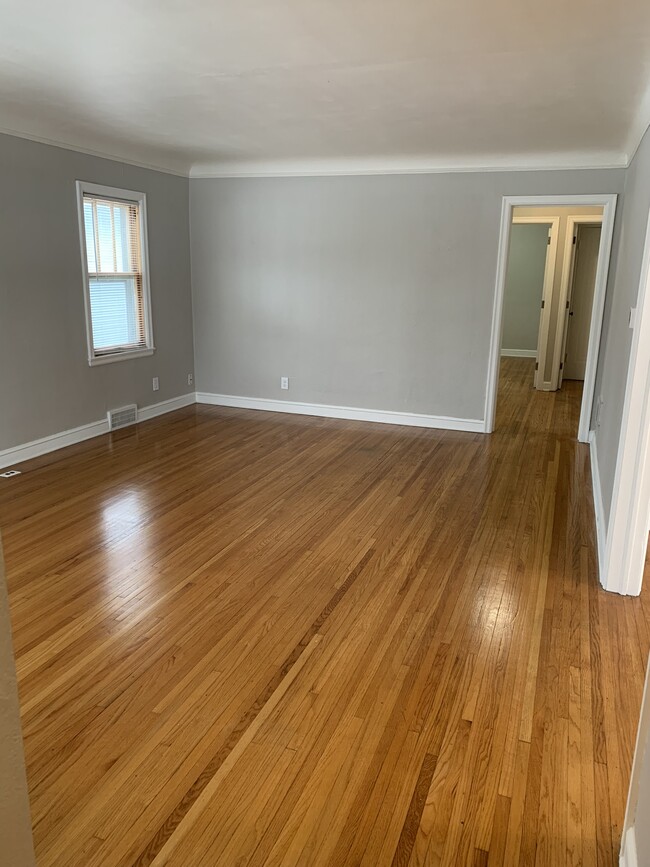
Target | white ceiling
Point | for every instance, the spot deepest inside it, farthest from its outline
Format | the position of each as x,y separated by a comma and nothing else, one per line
329,85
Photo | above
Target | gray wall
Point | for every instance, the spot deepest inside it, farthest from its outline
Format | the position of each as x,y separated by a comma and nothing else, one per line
46,385
621,296
371,292
522,297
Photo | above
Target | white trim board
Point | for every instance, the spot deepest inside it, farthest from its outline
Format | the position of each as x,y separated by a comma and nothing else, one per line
155,409
407,165
345,412
599,511
629,856
102,155
518,353
627,531
45,445
639,127
608,204
382,165
179,164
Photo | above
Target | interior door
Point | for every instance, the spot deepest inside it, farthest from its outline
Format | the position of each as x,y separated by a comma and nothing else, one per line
581,302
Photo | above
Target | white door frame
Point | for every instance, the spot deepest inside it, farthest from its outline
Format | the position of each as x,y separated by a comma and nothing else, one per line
629,517
566,288
547,292
608,204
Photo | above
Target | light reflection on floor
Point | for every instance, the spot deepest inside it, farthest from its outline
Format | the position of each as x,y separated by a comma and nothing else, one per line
126,539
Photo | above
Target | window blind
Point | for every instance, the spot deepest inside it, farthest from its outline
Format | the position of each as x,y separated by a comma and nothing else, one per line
114,265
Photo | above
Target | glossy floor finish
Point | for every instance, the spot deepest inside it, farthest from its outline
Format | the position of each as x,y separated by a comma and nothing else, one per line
263,639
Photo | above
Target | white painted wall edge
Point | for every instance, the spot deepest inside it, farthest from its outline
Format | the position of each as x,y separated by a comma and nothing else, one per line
45,445
628,855
627,530
518,353
599,511
411,419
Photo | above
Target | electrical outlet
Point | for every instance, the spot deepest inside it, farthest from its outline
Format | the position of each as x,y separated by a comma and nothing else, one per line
190,379
284,382
156,384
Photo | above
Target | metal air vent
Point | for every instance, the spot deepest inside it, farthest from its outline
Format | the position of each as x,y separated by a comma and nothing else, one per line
122,417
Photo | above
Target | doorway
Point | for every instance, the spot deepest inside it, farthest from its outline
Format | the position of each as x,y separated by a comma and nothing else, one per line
574,212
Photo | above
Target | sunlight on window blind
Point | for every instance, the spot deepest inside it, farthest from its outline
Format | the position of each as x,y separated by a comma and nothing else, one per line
112,231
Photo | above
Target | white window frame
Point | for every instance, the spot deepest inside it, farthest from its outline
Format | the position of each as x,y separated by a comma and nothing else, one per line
140,199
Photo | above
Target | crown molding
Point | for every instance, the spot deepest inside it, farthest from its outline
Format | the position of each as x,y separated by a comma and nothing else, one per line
639,127
104,155
408,165
337,167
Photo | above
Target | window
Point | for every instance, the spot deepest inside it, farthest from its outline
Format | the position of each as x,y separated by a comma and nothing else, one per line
112,225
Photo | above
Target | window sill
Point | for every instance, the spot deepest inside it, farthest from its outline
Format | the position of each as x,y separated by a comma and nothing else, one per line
96,360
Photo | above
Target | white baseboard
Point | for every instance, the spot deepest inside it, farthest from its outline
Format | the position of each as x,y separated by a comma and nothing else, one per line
36,448
599,512
519,353
629,857
174,403
345,412
43,446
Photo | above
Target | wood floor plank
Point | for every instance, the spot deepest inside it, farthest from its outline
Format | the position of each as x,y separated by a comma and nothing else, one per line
254,638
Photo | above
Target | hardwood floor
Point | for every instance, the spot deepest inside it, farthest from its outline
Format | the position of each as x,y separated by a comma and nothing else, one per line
262,639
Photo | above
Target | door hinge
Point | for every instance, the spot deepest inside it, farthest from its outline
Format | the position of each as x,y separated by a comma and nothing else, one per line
567,305
548,240
561,365
537,365
575,238
543,303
